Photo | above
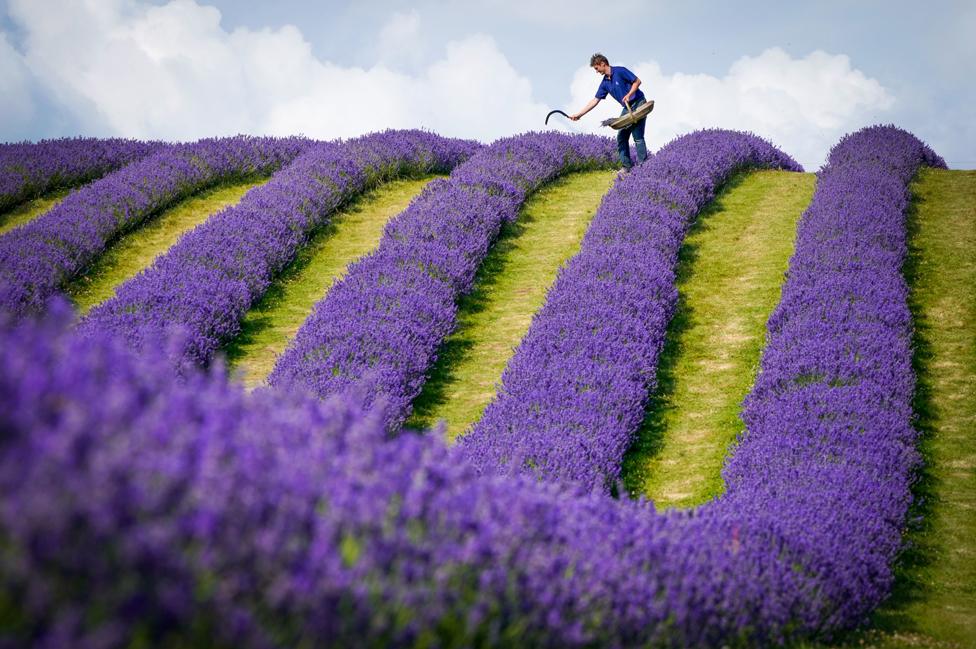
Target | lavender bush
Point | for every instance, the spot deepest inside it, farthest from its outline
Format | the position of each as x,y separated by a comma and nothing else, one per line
28,170
207,281
573,394
829,446
37,258
377,330
136,508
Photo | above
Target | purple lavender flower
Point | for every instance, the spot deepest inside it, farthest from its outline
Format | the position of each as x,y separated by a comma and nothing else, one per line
207,281
39,257
136,506
573,394
28,170
377,331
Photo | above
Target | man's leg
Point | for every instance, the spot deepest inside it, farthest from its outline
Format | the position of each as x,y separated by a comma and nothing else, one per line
623,147
639,143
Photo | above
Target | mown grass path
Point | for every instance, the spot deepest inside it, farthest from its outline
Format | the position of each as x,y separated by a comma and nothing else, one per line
933,603
510,287
276,318
25,212
136,250
730,270
936,595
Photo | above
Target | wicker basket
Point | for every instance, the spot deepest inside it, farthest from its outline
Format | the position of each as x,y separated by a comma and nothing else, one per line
632,116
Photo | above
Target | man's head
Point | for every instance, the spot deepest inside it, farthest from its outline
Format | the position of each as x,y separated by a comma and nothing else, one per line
600,63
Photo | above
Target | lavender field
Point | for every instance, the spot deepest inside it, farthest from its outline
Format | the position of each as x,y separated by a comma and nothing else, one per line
149,499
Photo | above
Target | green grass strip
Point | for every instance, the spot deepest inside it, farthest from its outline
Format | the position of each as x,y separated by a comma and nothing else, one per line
276,318
510,287
25,212
730,270
136,250
942,272
933,603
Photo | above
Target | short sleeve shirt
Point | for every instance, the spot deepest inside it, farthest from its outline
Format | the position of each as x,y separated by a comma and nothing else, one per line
618,84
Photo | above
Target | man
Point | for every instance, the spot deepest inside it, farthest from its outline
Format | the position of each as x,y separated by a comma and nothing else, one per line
622,85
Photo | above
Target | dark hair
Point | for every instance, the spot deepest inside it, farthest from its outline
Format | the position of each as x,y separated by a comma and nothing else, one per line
598,58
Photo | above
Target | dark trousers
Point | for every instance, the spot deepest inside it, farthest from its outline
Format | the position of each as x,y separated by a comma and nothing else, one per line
623,139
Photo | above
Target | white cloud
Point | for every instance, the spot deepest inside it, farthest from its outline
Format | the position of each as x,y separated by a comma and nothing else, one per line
803,105
472,92
17,107
124,67
172,71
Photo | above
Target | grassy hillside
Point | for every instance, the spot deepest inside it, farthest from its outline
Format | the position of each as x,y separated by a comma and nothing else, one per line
730,271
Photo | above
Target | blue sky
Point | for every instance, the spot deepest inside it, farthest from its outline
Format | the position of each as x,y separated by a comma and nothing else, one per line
800,74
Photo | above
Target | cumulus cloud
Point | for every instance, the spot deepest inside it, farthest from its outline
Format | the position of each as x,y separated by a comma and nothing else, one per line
172,71
450,97
803,105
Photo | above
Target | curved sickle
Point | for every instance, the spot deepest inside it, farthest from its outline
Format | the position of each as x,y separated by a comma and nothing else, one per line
552,112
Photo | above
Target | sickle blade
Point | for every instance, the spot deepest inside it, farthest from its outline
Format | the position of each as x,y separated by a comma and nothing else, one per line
553,112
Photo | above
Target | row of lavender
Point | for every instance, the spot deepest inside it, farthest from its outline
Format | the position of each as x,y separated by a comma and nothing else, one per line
573,395
377,331
205,284
28,170
135,505
39,257
829,453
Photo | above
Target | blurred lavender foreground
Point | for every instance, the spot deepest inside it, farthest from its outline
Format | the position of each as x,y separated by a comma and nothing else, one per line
207,281
137,509
28,170
39,257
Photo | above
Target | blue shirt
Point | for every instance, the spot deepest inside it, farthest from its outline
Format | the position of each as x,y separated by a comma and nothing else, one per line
619,83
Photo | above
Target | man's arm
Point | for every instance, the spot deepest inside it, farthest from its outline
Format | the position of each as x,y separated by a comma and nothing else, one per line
586,109
633,88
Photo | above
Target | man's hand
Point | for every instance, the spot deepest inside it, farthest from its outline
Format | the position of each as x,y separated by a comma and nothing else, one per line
630,93
575,118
